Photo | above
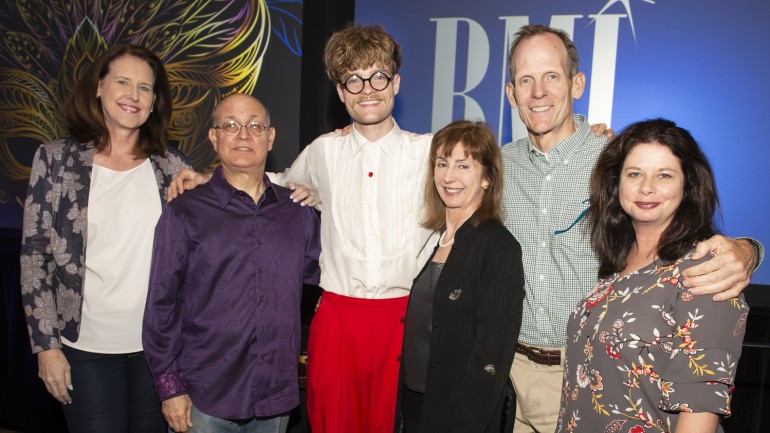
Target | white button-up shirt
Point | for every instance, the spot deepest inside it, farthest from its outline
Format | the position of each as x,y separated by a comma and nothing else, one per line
371,195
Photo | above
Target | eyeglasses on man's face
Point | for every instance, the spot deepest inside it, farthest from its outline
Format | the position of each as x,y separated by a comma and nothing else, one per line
233,128
354,84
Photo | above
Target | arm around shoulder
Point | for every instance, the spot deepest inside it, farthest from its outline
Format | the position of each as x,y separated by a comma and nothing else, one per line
302,169
729,272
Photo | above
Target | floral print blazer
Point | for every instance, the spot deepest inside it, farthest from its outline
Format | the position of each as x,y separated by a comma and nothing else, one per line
53,246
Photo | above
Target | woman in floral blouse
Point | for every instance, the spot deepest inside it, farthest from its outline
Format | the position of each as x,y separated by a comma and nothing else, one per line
92,204
643,353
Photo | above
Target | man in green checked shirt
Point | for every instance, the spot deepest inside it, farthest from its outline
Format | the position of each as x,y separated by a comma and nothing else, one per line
545,197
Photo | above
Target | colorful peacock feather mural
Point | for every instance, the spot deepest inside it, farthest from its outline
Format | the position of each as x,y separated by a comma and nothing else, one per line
211,48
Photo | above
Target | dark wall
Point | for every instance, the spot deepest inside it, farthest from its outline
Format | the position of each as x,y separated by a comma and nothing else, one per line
320,109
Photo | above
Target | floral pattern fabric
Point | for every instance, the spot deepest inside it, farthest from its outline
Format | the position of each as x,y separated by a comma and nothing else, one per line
54,233
642,348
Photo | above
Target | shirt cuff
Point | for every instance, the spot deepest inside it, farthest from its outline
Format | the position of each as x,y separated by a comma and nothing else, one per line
169,385
760,251
706,396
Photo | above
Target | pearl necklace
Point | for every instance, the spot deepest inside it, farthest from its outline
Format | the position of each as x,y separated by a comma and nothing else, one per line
441,241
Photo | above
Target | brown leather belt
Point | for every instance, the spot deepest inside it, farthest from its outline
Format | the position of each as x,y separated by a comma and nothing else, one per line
539,356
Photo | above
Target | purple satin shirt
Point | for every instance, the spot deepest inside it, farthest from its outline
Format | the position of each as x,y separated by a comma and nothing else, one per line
222,321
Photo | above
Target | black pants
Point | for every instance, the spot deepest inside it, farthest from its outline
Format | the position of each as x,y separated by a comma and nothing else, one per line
112,393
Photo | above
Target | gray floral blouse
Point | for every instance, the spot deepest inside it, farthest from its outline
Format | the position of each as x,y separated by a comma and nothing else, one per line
53,246
642,349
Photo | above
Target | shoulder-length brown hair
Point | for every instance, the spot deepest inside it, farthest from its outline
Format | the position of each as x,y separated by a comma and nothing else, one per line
479,143
83,112
612,235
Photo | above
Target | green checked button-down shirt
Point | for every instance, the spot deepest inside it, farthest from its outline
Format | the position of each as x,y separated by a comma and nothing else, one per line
545,197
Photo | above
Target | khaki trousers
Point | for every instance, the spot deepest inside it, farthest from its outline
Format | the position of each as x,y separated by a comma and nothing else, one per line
538,394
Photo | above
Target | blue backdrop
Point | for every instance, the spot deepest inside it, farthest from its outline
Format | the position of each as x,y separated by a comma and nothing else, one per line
702,64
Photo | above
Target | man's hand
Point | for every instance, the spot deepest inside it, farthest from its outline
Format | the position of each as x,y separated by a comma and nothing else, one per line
186,179
54,369
601,129
345,131
177,411
727,274
302,195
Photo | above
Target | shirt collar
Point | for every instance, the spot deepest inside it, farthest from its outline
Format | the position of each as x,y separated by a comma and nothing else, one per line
390,140
224,192
571,144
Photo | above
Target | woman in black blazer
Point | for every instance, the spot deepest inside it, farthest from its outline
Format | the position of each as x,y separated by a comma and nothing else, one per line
464,312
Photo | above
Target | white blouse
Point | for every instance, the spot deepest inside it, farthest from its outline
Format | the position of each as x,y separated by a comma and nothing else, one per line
123,209
371,196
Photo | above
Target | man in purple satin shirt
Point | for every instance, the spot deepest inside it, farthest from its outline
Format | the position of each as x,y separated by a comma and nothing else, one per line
222,322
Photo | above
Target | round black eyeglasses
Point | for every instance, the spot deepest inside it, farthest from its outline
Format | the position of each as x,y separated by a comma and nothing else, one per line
354,84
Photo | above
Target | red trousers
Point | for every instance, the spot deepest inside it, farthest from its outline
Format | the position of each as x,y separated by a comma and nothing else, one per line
353,362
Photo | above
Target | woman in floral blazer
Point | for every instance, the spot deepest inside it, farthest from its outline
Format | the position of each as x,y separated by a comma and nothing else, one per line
100,191
643,353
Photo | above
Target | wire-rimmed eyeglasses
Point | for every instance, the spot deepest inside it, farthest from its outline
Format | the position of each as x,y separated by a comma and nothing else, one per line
233,128
354,84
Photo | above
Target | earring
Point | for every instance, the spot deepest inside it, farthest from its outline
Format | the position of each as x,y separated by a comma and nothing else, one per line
484,187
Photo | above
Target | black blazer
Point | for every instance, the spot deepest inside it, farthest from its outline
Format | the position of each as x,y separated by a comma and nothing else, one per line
477,308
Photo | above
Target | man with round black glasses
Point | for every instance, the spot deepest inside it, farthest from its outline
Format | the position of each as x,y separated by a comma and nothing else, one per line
369,184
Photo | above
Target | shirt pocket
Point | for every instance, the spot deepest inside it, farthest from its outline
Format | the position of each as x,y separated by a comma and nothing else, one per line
571,230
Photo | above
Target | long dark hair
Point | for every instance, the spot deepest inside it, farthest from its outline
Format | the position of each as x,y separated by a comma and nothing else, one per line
83,112
612,235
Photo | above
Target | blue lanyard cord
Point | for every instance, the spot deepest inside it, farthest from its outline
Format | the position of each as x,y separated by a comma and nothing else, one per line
577,220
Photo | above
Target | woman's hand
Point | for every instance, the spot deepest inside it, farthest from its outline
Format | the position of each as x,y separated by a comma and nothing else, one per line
54,370
302,195
345,131
186,179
